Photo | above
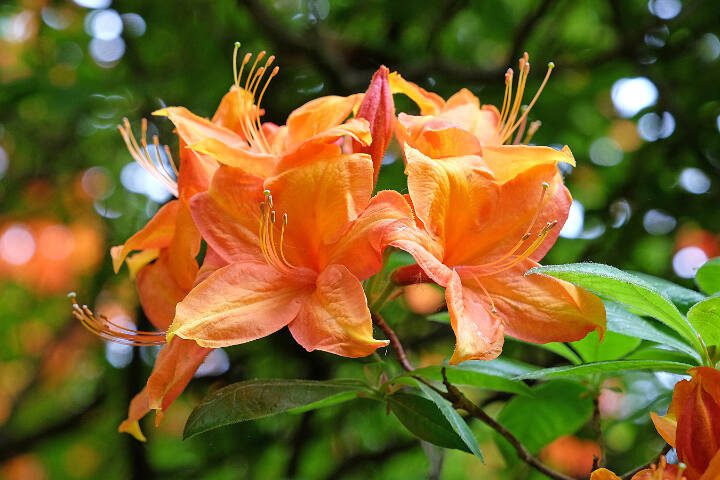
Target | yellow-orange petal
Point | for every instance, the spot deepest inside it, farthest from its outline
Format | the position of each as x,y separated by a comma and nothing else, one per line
360,247
234,108
478,335
317,116
451,196
335,318
240,303
429,103
603,474
259,164
507,161
228,215
158,233
159,291
174,367
137,261
320,197
666,426
538,308
192,128
184,248
196,172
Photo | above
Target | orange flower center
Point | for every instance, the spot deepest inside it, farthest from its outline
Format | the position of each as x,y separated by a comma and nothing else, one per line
271,247
108,330
509,122
250,124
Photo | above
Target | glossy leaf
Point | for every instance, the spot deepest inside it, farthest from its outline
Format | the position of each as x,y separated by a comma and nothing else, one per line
496,375
708,276
608,367
255,399
613,346
682,297
705,317
627,323
456,421
424,420
629,290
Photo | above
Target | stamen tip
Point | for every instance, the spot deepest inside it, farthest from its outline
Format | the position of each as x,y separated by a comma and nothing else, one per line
545,185
266,193
551,65
237,44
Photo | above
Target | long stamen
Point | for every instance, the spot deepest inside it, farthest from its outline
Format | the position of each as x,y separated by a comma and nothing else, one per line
108,330
534,126
271,250
141,154
506,100
523,72
236,79
259,101
551,66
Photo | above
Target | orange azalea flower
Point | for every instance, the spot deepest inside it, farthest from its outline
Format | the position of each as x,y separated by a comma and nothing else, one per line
263,148
487,213
692,424
661,471
296,256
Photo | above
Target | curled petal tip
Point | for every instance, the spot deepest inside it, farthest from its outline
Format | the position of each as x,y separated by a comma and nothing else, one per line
132,428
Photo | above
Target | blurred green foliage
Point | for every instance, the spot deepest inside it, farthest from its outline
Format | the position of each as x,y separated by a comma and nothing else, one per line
646,183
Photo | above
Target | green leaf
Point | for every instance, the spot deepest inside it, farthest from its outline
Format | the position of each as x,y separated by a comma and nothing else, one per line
424,420
608,367
705,317
629,290
498,375
612,347
682,297
557,348
708,276
557,408
627,323
255,399
456,421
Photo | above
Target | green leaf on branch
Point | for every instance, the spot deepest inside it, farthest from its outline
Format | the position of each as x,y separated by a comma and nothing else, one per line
255,399
613,346
629,290
424,420
456,421
556,408
620,320
608,367
682,297
498,375
708,276
705,317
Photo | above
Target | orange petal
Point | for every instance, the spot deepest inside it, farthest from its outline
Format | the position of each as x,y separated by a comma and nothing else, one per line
478,335
698,421
191,128
507,161
463,109
320,199
437,137
666,426
713,470
428,253
233,109
240,303
174,368
360,247
451,197
518,206
377,107
538,308
317,116
335,318
196,172
603,474
228,216
429,103
158,233
255,163
159,291
184,248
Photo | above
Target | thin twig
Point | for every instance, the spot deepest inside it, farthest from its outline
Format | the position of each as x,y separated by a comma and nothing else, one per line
394,342
461,402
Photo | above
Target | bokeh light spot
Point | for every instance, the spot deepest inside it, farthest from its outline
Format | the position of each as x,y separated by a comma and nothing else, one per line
694,180
107,52
606,152
56,242
665,9
652,126
573,227
687,260
216,363
657,222
134,24
105,24
17,245
630,95
138,180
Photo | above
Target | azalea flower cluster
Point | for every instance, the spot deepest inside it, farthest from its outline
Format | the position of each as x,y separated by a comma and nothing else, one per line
292,228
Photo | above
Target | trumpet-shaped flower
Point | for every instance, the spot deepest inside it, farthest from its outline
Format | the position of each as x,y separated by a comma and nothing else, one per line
692,423
297,246
264,149
487,213
660,471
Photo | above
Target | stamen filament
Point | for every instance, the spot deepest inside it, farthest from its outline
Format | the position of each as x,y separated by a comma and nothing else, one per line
108,330
141,154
